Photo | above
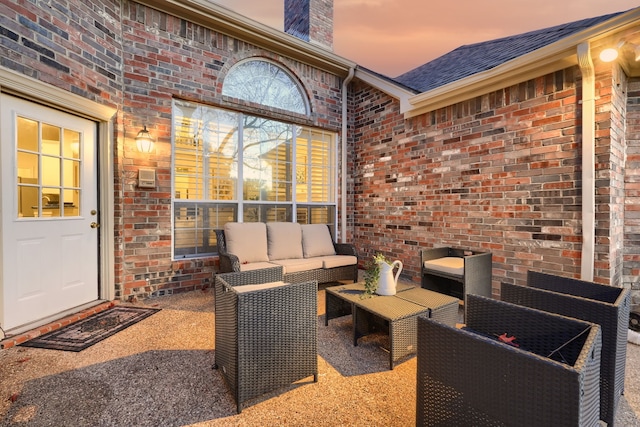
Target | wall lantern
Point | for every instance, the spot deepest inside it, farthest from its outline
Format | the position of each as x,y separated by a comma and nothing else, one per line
144,141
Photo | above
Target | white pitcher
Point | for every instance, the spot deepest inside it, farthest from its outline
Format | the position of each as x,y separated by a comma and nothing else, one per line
387,281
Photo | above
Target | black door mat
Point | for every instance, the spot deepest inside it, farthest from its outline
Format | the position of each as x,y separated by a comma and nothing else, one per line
93,329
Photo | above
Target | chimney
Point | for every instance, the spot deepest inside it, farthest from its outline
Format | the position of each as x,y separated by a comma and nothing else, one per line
310,20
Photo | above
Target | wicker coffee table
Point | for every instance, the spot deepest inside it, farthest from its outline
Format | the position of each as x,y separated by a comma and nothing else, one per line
396,315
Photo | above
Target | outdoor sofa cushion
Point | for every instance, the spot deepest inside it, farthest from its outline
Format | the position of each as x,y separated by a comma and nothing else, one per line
316,241
333,261
297,265
248,241
284,240
249,266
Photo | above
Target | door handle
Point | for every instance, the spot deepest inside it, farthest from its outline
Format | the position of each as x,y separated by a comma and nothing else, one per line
95,225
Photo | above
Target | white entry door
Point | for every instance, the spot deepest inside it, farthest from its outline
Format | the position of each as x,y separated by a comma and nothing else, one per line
49,212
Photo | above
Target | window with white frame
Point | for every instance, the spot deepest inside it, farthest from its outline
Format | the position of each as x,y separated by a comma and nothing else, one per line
230,166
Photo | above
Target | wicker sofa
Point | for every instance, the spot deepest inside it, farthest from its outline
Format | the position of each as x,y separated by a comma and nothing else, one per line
266,332
468,377
305,251
605,305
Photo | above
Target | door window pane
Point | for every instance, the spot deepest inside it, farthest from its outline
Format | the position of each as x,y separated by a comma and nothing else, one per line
48,173
27,135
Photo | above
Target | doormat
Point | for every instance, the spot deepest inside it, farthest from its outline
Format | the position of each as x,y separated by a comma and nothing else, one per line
93,329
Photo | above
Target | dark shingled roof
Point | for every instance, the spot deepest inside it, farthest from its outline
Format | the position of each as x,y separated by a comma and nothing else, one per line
475,58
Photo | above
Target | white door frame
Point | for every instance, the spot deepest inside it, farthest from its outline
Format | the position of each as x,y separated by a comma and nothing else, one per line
37,91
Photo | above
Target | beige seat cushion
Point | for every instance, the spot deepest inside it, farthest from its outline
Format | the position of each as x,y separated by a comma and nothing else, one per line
300,264
333,261
257,287
247,241
316,240
450,265
256,266
284,240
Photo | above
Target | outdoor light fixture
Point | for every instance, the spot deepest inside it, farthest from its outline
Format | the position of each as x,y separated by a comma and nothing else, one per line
144,141
611,53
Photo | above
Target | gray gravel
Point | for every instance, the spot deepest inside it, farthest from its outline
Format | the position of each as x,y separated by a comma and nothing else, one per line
159,373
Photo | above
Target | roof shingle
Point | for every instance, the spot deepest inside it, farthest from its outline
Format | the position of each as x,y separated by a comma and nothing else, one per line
471,59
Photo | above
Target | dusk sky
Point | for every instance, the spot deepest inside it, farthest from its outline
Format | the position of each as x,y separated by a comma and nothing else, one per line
395,36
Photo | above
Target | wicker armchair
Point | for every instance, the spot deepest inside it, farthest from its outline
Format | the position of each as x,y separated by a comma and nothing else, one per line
266,335
607,306
467,377
475,278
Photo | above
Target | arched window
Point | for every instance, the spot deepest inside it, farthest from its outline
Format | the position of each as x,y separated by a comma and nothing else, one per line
265,83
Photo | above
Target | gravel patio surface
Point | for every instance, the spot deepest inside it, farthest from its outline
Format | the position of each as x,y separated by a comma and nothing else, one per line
158,372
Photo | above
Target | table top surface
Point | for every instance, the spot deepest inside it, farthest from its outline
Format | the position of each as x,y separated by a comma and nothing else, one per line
408,298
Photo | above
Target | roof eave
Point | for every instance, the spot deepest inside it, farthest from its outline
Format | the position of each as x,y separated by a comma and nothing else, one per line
387,86
508,74
556,56
223,20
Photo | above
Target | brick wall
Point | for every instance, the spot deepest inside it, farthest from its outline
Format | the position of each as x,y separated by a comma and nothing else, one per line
310,20
611,114
500,172
631,270
167,58
45,43
138,60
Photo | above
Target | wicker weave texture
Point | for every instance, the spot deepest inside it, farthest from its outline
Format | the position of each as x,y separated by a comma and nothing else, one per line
607,306
467,378
442,308
265,339
395,314
231,263
478,271
396,317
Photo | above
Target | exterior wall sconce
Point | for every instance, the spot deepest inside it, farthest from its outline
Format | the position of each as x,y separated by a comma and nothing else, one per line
144,141
611,53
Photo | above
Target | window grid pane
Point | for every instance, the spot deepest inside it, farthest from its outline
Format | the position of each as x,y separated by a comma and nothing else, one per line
48,170
265,83
207,143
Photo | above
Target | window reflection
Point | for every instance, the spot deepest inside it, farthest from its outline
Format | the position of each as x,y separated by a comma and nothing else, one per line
230,166
265,83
